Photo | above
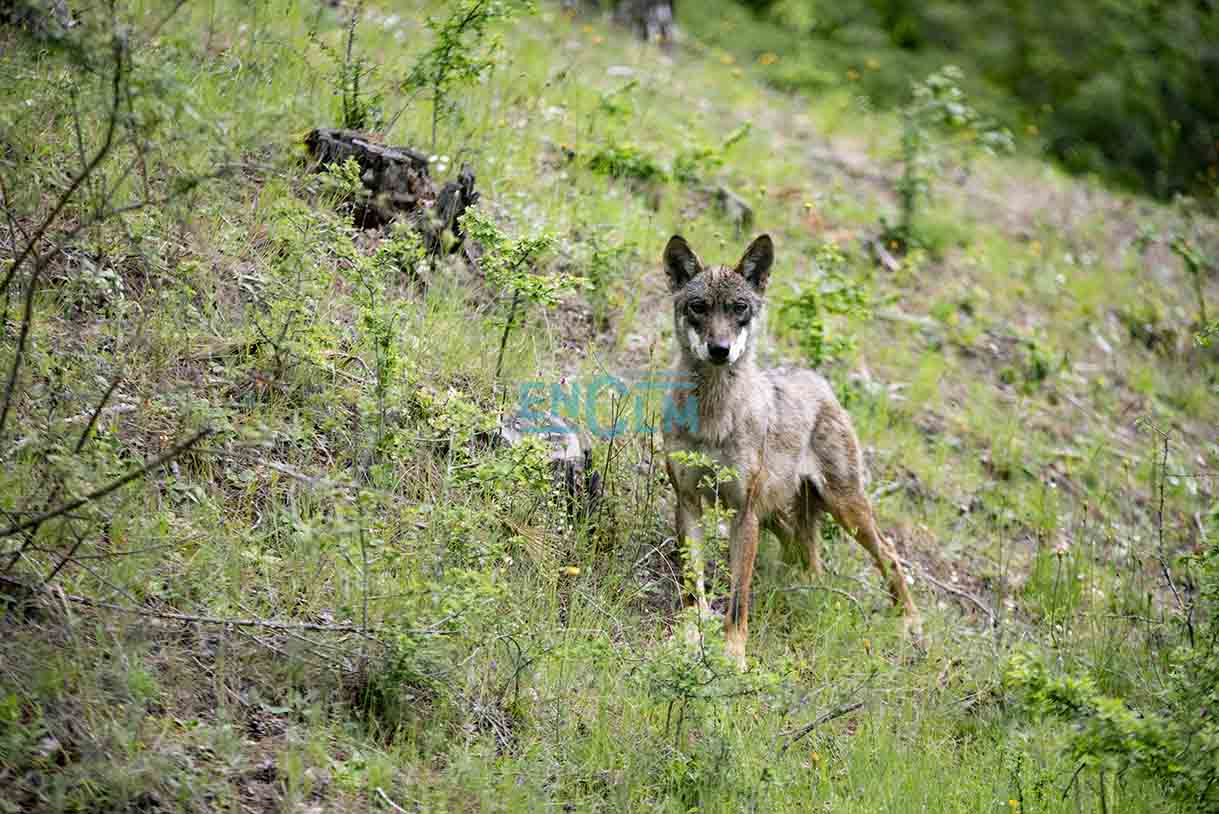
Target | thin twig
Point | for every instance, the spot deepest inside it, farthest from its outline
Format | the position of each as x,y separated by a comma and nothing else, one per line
294,474
31,245
836,591
114,485
385,799
269,624
107,142
131,552
503,340
364,586
953,590
67,558
184,187
1187,611
118,589
97,411
1067,788
825,717
14,226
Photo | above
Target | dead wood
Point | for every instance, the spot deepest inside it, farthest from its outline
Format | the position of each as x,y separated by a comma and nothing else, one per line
397,186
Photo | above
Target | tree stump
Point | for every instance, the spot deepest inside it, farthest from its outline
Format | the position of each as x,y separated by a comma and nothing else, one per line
397,185
652,20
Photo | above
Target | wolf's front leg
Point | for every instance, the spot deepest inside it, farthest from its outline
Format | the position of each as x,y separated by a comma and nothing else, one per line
743,548
694,559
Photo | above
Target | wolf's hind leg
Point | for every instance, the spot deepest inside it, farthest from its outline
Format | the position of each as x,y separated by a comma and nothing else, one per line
807,515
854,513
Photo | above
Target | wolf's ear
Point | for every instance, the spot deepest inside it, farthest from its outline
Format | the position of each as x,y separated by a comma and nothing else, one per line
681,263
755,263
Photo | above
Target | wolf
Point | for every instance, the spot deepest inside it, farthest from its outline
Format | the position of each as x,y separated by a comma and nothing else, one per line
782,432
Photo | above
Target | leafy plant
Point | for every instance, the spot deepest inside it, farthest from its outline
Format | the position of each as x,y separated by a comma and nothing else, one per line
694,164
617,102
1196,264
358,108
461,52
379,312
1176,747
343,182
626,161
1036,365
937,106
1170,732
831,293
508,265
607,263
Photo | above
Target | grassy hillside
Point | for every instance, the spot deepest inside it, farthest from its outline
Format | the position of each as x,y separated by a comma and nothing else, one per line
340,595
1127,94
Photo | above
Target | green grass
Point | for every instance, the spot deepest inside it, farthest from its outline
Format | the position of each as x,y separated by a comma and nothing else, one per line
524,659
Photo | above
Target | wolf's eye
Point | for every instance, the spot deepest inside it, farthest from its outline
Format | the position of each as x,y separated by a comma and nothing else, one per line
740,309
698,308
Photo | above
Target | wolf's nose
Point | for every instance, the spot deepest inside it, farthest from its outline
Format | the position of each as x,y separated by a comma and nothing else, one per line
718,353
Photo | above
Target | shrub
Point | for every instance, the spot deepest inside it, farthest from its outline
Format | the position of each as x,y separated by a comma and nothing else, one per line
937,106
626,161
832,293
1171,734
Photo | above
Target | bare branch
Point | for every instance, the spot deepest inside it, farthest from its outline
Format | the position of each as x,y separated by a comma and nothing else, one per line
269,624
114,485
31,245
825,717
97,411
385,799
949,589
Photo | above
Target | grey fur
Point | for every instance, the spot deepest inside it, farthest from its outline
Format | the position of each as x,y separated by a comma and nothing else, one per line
782,430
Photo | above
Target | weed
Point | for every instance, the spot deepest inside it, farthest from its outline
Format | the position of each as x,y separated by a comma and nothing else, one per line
381,314
1037,364
937,104
626,160
461,52
714,547
508,266
1196,265
359,109
694,164
607,265
810,312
